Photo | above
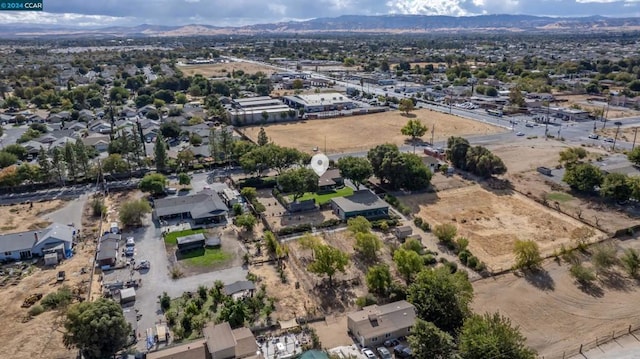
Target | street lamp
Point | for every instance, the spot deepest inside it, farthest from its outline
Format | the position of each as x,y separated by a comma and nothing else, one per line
618,124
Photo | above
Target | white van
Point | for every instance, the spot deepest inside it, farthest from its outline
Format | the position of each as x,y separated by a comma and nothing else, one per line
114,228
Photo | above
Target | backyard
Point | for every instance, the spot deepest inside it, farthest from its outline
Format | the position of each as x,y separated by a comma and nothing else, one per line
205,259
322,198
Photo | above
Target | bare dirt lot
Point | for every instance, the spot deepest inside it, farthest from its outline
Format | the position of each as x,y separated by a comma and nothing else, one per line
493,221
25,217
360,133
222,69
41,336
528,154
626,134
554,313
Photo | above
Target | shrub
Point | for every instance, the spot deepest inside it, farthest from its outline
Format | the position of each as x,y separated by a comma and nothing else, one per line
58,299
36,310
453,267
418,221
464,256
472,261
445,232
332,222
237,209
429,259
301,228
98,207
462,243
425,226
582,274
165,302
366,300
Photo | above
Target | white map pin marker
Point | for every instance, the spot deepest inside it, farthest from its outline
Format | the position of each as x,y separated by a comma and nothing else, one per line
320,164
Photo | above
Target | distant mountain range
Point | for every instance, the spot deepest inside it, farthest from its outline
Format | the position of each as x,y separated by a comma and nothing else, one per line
346,24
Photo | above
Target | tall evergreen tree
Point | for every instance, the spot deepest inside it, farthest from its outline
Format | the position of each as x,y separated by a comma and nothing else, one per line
226,142
263,140
70,160
82,157
160,152
213,144
44,165
57,163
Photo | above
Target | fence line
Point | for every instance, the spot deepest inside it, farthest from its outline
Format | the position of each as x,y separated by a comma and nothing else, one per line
599,340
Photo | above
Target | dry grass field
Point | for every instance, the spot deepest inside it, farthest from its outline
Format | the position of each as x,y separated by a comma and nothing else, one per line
360,133
527,155
493,221
222,69
23,217
555,314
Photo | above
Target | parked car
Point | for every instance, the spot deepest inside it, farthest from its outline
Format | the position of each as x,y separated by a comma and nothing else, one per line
398,349
129,251
406,353
529,124
61,276
593,136
144,264
391,343
368,353
608,139
519,133
384,353
130,242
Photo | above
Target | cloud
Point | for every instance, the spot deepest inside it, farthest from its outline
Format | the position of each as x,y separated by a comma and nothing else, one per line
242,12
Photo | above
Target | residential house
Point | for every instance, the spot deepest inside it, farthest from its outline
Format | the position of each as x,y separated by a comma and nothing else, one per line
77,126
99,142
361,203
220,342
61,142
100,126
240,289
128,112
108,249
150,134
33,147
330,180
203,208
374,324
57,238
86,115
403,232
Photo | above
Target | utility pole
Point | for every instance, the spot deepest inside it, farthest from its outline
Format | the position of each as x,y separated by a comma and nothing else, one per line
618,124
634,139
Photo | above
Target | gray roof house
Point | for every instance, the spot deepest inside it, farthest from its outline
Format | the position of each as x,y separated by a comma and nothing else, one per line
361,203
108,249
57,238
240,289
203,208
374,324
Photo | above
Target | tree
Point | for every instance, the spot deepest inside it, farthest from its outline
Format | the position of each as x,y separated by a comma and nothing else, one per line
98,329
631,261
57,163
185,158
482,162
398,170
82,156
583,177
492,336
44,165
515,97
572,155
170,129
616,186
428,341
634,156
368,245
297,84
441,297
114,163
263,140
414,128
246,221
132,212
16,150
328,261
406,105
184,179
527,254
195,139
379,279
298,181
358,224
457,148
153,183
250,193
409,263
445,232
160,153
235,312
7,159
356,169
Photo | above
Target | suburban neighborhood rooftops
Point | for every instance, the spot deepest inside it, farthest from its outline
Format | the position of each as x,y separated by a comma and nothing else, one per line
362,200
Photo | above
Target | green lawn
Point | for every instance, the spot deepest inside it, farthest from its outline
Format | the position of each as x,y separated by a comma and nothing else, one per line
325,197
172,237
205,257
559,197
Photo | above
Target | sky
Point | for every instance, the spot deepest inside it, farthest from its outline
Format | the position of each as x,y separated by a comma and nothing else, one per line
243,12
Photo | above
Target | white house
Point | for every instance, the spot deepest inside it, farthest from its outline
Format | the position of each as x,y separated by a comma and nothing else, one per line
57,238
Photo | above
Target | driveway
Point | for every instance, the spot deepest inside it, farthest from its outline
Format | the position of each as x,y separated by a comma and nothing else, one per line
156,280
71,213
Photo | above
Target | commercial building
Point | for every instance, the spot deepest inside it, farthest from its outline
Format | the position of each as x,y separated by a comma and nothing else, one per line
252,110
331,101
374,324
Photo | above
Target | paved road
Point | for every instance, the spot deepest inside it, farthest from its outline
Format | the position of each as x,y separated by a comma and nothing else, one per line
71,213
11,134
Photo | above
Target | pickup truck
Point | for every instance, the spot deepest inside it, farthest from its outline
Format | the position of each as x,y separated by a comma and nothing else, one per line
61,276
